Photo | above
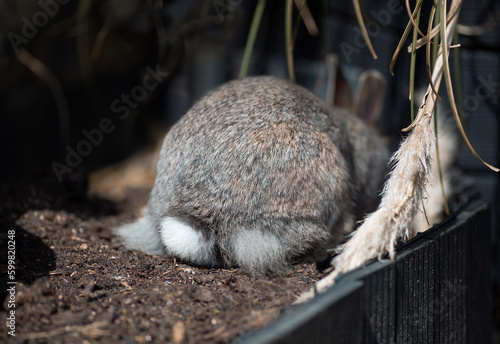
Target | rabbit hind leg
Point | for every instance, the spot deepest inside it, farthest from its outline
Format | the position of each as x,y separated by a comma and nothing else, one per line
140,235
258,252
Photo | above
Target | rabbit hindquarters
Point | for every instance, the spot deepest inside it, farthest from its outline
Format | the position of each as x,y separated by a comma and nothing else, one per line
256,174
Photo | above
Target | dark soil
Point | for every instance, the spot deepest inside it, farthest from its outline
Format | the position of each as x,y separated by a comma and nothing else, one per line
77,284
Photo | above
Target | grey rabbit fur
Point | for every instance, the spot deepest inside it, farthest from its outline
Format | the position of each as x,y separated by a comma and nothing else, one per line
258,173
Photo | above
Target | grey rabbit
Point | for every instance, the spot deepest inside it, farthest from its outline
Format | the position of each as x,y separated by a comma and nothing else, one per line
259,173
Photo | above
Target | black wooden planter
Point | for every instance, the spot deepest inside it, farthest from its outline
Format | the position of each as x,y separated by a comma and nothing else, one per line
437,290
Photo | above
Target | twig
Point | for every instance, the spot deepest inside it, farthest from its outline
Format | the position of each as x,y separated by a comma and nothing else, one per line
307,17
359,16
91,329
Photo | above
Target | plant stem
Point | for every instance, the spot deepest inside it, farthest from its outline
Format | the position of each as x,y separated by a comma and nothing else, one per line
252,35
289,39
413,67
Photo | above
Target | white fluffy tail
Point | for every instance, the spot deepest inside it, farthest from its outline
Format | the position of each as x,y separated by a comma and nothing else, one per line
141,236
188,243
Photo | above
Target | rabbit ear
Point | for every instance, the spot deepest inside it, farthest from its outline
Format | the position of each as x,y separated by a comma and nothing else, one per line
369,97
339,92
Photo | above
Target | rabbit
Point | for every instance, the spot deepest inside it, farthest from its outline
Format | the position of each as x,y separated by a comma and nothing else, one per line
261,172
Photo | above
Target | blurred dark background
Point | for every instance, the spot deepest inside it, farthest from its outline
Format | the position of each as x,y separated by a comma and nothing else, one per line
116,73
